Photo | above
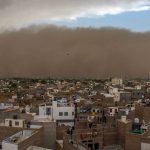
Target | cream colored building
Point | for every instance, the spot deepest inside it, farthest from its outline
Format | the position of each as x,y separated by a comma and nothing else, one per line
15,123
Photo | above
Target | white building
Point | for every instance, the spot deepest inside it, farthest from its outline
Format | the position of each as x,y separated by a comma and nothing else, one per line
111,111
113,90
117,81
61,112
14,97
116,94
117,97
6,105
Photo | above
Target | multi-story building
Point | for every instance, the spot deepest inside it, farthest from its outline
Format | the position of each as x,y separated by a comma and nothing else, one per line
111,111
117,81
61,112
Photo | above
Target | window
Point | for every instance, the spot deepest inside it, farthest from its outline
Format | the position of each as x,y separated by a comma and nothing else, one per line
48,111
72,113
16,123
116,111
65,113
60,113
10,123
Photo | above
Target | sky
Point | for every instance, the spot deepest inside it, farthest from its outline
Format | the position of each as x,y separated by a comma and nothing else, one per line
130,14
134,21
74,38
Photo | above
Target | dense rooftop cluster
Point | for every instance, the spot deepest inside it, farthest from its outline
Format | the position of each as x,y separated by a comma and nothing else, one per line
82,114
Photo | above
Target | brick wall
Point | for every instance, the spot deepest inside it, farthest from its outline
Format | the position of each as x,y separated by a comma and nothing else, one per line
48,136
122,129
133,141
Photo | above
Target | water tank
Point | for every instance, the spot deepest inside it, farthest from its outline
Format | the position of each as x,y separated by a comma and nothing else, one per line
137,124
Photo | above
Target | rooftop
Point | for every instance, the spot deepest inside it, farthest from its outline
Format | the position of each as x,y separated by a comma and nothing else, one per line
20,136
37,148
138,131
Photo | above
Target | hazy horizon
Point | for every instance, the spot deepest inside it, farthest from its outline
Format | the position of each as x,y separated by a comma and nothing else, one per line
51,51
